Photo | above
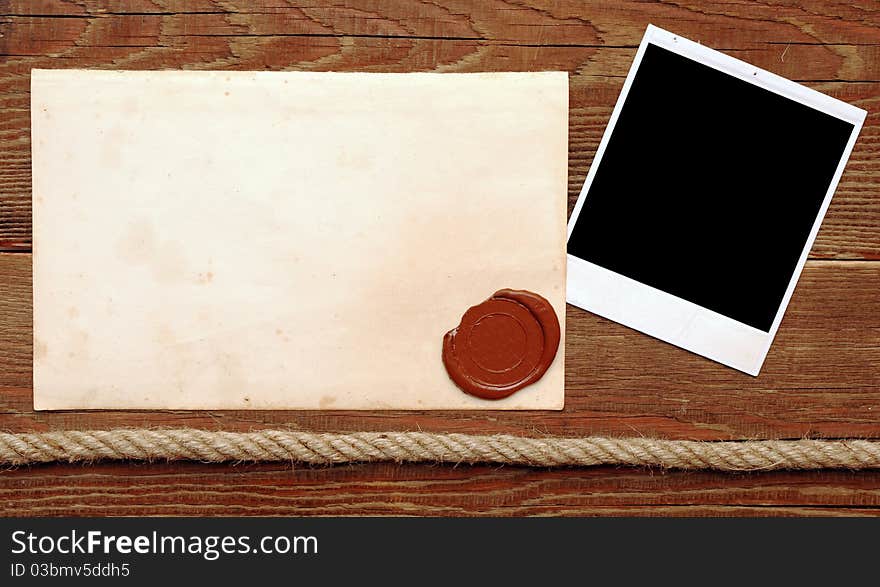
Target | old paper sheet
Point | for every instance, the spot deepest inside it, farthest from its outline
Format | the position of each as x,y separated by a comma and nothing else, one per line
232,240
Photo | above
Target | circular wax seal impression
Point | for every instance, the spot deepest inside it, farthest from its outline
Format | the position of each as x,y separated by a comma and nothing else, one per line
502,345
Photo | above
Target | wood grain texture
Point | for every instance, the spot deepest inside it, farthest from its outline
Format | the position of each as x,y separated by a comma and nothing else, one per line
416,490
833,47
821,378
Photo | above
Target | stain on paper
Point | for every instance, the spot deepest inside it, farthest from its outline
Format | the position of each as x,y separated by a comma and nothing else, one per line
140,245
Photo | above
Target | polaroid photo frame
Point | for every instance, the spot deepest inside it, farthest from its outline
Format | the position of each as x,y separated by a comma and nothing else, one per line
704,199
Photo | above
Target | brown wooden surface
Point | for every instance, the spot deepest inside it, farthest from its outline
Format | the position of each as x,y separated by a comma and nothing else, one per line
821,378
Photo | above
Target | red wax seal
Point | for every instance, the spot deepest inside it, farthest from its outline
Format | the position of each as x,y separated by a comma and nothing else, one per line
502,345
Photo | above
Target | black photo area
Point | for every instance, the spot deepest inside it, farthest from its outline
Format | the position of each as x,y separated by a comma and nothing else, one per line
709,188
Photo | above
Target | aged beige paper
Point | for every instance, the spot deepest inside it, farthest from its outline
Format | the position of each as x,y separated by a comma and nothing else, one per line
231,240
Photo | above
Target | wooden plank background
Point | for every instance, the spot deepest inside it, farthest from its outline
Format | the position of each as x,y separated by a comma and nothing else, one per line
821,378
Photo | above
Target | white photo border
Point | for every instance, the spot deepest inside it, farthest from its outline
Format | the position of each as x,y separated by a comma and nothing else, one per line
669,317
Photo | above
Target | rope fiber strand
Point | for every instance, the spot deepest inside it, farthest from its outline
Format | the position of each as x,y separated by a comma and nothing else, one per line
334,448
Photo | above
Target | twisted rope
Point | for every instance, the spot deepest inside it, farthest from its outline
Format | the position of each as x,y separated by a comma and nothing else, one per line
330,448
